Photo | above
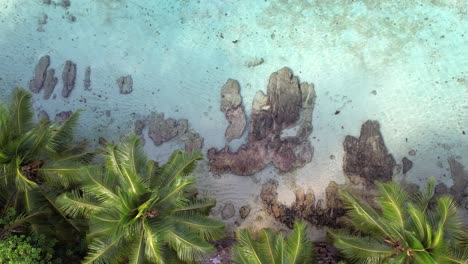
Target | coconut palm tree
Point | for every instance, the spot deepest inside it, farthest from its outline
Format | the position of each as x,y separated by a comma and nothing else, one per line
140,212
273,248
37,162
404,228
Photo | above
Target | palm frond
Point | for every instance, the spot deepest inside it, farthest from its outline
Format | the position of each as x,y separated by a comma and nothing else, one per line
180,164
63,134
206,228
298,247
201,206
246,249
422,199
392,200
361,249
449,224
363,216
78,204
21,111
188,246
105,251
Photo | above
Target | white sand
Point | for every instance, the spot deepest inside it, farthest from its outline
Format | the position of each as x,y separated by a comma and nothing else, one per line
413,54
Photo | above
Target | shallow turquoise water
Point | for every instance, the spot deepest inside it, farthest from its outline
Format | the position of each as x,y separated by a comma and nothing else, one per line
413,54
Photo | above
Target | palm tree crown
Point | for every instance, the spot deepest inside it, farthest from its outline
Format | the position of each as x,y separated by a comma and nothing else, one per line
140,212
272,248
404,229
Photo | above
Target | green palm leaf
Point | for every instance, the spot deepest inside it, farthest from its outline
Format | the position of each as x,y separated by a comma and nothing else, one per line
21,111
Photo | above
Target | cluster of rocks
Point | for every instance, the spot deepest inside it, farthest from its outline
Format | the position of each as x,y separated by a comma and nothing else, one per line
326,253
288,104
162,130
305,207
366,159
44,78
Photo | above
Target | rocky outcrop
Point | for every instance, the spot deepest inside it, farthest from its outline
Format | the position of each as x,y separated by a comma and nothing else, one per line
319,213
162,130
366,158
49,83
287,104
68,78
87,79
35,85
231,106
125,84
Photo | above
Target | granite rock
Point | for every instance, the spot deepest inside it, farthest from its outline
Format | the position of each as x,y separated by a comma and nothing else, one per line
35,85
68,78
49,83
366,158
280,109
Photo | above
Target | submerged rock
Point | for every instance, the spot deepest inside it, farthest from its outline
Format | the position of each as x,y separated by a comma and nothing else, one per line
87,79
125,84
49,83
366,158
280,109
228,211
407,164
244,211
459,189
61,117
231,106
68,78
35,85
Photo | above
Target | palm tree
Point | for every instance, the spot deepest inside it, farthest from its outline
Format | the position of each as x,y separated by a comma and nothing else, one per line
142,213
273,248
37,162
404,229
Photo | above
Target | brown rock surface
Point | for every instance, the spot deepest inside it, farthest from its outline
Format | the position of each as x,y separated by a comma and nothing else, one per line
271,114
87,79
231,105
68,78
125,84
35,85
366,158
49,83
305,207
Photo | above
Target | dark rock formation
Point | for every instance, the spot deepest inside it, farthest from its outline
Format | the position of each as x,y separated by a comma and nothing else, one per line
244,211
366,158
68,77
286,103
326,253
459,189
231,106
162,130
35,85
305,207
49,83
61,117
87,79
407,164
125,84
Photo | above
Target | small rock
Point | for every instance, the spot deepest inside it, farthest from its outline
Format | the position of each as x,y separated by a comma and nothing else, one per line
87,79
412,152
407,164
244,211
228,211
125,84
61,117
139,126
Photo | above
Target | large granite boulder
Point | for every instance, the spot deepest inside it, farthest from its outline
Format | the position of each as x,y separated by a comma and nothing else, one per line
287,104
366,158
